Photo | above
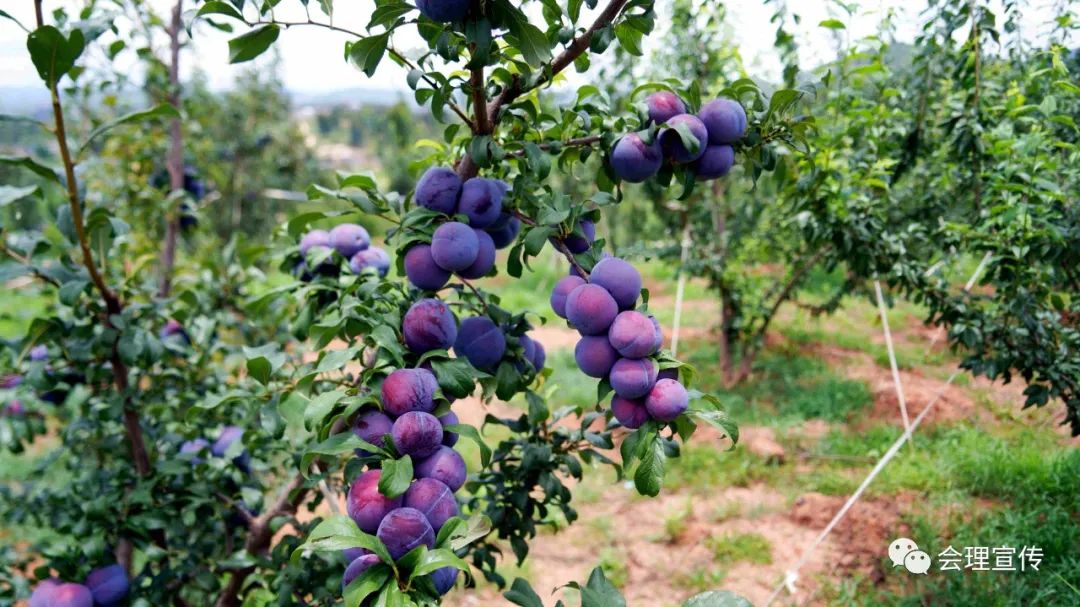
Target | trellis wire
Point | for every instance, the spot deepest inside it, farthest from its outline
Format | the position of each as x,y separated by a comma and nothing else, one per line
791,575
892,354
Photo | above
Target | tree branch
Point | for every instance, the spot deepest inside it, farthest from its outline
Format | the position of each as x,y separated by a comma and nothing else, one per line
466,167
476,83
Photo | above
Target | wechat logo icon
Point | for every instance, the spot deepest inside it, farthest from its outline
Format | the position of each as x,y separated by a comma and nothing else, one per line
905,553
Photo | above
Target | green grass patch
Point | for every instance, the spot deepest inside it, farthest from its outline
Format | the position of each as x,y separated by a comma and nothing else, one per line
740,547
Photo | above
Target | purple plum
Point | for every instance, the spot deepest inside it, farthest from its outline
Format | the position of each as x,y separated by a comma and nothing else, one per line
481,341
228,436
434,499
314,238
446,465
365,505
667,400
374,257
429,325
406,390
672,143
444,579
591,309
503,236
450,419
485,257
620,278
357,566
579,244
481,201
443,11
631,413
439,189
71,595
632,377
595,356
372,426
633,335
454,246
349,239
422,271
725,120
417,434
561,290
715,163
404,529
108,585
663,106
635,161
43,593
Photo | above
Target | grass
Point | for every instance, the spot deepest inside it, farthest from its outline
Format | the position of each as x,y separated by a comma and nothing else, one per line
739,548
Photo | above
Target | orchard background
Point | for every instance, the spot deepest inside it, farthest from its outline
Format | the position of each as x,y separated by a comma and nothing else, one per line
207,288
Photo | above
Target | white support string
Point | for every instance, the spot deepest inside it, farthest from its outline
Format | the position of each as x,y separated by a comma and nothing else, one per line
792,574
970,283
680,289
892,355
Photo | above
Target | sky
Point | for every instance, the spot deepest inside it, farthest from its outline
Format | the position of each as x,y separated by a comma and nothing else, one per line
312,57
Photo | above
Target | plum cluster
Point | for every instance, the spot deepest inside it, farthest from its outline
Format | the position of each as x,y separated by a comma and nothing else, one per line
349,240
719,124
463,248
407,424
103,587
618,342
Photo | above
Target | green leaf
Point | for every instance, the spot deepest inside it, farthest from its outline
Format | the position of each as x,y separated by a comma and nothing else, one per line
522,594
387,13
397,475
252,44
336,359
11,193
337,533
535,239
532,42
650,472
472,434
215,7
437,559
477,527
70,291
263,361
344,442
719,420
53,54
32,165
599,592
456,376
366,584
629,38
717,598
366,53
163,110
317,410
832,24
